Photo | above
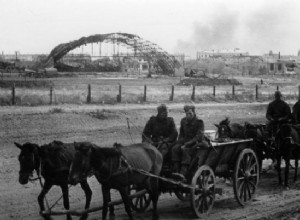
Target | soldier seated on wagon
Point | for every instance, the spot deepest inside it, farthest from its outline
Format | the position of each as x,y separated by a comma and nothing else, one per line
160,130
191,136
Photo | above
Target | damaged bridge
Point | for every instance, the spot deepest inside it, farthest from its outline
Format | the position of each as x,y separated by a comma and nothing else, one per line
142,48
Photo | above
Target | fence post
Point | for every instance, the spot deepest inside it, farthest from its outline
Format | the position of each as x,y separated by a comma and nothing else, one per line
193,94
13,93
51,91
89,98
233,91
214,90
119,96
145,93
172,93
256,91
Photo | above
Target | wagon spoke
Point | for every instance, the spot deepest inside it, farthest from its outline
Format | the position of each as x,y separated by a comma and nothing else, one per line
208,178
136,202
245,192
252,184
253,166
241,189
250,160
249,191
205,204
199,202
145,198
141,202
241,178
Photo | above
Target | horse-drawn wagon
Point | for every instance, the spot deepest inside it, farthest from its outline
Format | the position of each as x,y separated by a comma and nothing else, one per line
232,159
229,159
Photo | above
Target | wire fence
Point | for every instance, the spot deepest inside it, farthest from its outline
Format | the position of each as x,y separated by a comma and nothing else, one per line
118,93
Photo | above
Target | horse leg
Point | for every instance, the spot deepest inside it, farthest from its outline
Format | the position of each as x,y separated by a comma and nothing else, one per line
296,169
124,194
111,208
279,169
106,200
88,195
47,186
287,171
65,192
153,188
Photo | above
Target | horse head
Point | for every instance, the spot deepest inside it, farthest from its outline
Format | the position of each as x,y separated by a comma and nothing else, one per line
252,131
81,164
223,129
29,160
285,135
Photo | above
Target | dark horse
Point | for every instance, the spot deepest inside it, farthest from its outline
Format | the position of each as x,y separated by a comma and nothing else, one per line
117,168
288,142
225,129
53,161
264,147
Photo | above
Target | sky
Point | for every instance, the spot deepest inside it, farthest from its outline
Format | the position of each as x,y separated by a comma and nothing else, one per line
178,26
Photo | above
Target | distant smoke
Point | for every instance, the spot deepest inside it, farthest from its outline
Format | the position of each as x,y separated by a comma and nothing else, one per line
258,32
218,33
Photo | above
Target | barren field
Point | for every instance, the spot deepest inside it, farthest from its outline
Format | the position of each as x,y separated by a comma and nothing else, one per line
105,125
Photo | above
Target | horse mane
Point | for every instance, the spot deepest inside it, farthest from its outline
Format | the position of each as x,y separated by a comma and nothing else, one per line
226,121
108,151
58,152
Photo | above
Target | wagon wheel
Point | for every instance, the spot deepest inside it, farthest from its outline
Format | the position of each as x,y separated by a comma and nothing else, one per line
139,203
183,196
246,176
203,192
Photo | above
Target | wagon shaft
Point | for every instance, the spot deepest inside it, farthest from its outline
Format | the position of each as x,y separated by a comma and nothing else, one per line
80,213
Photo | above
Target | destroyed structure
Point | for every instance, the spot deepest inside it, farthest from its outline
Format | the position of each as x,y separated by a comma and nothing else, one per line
145,53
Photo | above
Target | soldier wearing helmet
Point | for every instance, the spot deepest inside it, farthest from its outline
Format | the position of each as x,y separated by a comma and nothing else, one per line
160,130
191,136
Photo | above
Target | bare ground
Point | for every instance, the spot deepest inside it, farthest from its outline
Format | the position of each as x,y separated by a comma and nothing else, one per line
104,127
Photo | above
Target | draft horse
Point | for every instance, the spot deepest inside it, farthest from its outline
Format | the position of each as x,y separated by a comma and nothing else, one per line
117,168
53,162
288,143
225,129
264,147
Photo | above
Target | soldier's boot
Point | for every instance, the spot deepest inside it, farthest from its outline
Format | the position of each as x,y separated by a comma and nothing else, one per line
176,167
184,169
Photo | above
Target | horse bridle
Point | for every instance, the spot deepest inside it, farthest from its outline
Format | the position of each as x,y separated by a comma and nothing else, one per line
228,128
37,164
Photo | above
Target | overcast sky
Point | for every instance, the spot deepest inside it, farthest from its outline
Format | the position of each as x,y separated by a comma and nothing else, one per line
178,26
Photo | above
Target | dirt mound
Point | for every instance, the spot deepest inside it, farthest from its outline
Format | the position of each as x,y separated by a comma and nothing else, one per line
208,82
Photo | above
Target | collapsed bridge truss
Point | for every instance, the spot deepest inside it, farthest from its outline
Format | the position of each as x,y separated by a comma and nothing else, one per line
144,48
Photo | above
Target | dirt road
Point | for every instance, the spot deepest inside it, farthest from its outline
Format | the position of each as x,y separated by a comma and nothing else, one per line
105,125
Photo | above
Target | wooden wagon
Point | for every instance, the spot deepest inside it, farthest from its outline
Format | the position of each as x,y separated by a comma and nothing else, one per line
232,159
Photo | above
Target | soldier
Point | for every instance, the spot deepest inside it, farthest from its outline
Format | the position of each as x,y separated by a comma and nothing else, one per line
296,112
278,112
191,135
160,130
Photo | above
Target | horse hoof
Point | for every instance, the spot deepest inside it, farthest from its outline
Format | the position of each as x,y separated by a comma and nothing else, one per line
84,217
155,217
45,216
